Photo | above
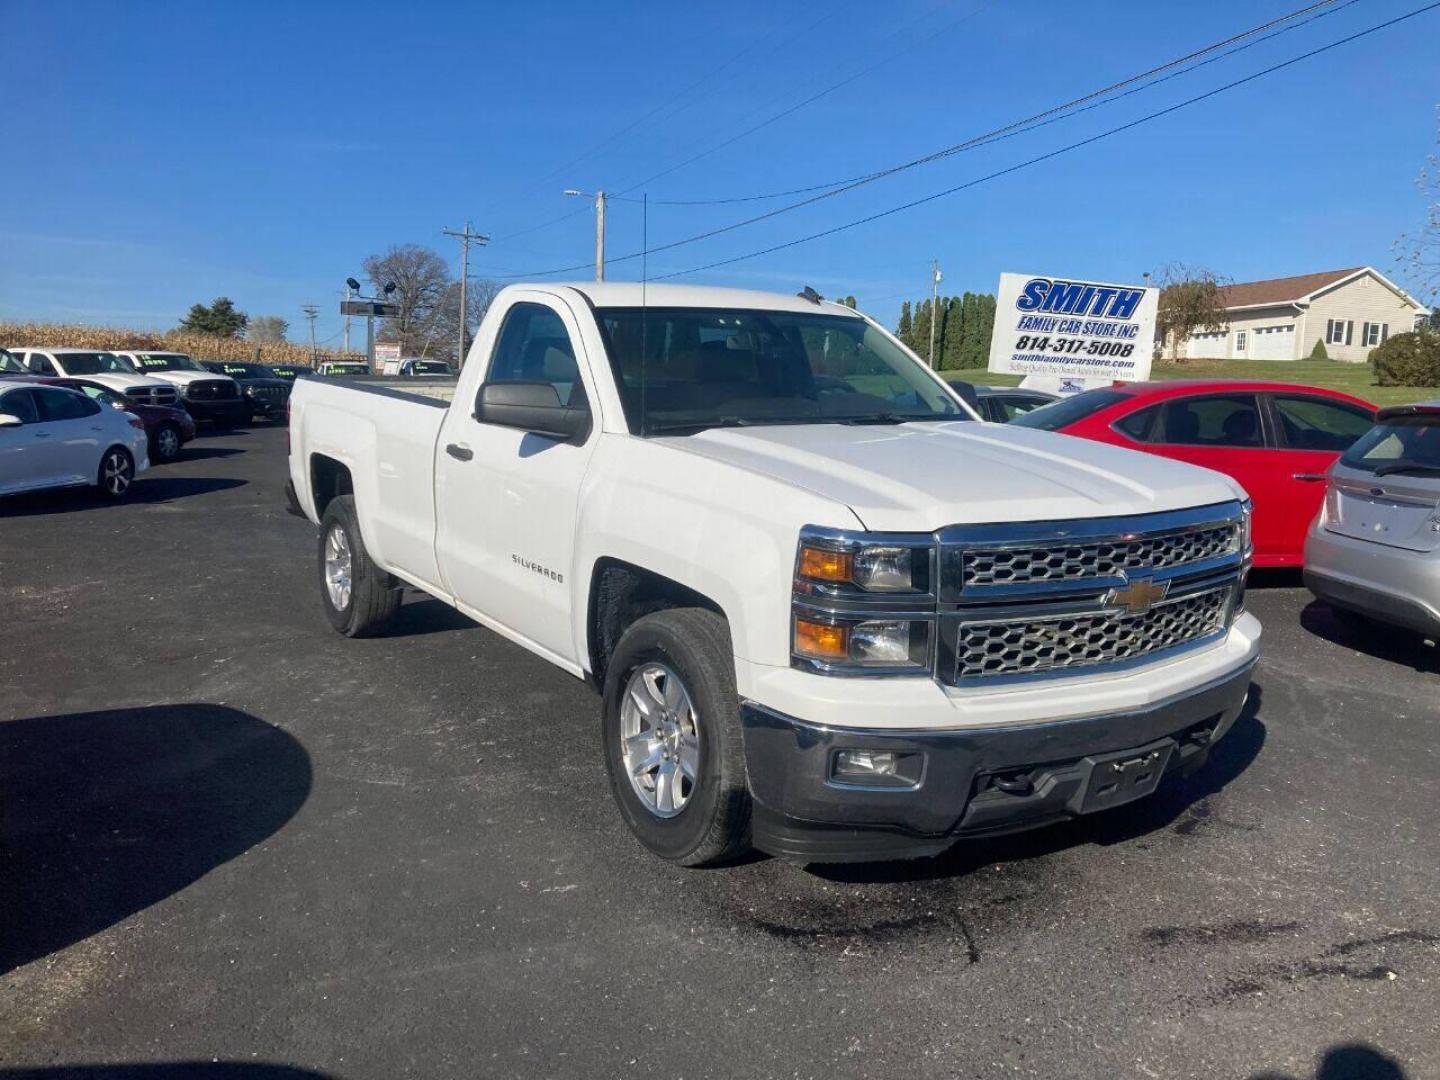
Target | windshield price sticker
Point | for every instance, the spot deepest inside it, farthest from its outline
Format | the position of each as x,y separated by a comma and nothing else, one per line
1095,330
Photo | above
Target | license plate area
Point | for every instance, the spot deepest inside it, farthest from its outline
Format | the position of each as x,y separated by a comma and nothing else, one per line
1119,778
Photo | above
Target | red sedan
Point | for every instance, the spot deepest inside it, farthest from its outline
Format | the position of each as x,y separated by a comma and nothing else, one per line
1276,439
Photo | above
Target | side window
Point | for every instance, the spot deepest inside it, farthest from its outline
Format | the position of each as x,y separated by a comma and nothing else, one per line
1211,421
40,365
20,403
1312,423
1011,407
534,346
1139,425
64,405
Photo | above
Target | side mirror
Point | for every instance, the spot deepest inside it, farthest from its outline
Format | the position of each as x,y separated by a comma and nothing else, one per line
966,392
10,420
534,407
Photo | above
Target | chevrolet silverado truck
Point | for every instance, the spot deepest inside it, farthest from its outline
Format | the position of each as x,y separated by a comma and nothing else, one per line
831,614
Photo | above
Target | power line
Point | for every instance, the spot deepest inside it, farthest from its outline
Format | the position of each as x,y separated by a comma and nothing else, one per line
1230,46
1056,153
812,98
1007,131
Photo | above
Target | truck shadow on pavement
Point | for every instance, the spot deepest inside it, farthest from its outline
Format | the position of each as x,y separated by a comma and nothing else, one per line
167,1070
1347,1061
1374,639
147,489
1180,804
106,813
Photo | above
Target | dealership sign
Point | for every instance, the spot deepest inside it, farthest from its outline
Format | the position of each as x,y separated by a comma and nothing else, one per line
1072,332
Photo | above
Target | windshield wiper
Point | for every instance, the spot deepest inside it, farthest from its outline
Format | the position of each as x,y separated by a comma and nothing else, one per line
1408,467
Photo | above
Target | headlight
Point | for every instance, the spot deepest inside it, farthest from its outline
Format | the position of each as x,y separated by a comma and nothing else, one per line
890,568
891,644
863,603
249,391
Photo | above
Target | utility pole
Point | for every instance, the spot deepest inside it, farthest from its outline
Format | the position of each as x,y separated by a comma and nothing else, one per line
466,238
311,311
599,197
935,276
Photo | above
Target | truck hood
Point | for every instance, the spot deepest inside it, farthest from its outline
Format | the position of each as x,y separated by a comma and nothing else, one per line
921,477
185,378
116,381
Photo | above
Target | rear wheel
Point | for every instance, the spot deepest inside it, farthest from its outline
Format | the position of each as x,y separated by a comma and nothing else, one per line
359,597
165,446
672,742
117,473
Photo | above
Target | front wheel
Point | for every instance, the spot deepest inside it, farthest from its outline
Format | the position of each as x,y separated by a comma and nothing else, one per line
672,741
359,597
166,443
117,473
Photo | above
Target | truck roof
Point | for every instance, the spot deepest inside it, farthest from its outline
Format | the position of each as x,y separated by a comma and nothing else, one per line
604,294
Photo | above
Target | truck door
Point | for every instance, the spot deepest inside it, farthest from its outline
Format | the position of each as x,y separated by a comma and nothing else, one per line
506,499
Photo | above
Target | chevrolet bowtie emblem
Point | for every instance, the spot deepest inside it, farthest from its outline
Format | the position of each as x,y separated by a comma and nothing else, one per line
1138,596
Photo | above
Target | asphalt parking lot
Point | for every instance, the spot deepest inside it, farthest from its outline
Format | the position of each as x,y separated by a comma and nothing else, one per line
238,844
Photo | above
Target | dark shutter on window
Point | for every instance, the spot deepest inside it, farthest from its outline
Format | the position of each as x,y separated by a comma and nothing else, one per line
1349,330
1384,332
1330,331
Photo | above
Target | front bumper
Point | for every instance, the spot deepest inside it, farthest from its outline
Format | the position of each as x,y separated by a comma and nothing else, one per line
972,781
1388,583
233,410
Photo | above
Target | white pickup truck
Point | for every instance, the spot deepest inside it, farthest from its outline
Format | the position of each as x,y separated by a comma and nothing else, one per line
831,613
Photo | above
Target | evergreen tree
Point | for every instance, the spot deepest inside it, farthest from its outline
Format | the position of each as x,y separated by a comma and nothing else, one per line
985,315
903,330
920,330
954,332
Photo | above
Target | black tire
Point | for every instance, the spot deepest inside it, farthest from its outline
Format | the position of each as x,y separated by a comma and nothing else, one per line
116,475
374,595
714,824
165,443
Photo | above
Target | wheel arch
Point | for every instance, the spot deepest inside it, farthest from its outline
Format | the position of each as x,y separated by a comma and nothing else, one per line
329,479
622,592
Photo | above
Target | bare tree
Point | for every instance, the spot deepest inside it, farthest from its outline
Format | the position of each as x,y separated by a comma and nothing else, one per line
421,281
1418,254
1191,299
267,329
440,338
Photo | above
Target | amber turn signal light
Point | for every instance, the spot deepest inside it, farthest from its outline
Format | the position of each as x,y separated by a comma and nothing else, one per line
821,641
818,564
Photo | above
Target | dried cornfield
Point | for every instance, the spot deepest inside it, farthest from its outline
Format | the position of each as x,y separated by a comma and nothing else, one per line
201,346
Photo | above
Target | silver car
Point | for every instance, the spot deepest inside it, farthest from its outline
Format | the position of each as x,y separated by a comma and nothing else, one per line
1374,550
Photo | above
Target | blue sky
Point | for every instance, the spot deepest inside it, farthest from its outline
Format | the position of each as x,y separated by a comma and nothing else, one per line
162,153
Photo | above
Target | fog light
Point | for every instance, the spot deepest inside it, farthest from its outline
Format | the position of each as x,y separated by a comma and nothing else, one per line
877,768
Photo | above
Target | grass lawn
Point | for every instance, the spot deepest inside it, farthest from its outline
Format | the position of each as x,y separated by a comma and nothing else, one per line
1357,379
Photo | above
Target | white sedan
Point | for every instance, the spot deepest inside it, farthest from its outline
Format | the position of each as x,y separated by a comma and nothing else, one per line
51,437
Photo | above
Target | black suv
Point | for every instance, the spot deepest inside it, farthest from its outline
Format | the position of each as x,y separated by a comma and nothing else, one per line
266,394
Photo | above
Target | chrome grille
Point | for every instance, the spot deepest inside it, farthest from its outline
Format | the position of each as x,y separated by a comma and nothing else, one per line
152,395
1039,643
276,392
1061,561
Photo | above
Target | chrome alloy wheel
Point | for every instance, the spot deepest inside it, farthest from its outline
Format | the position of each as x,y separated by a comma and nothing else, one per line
660,739
337,568
116,472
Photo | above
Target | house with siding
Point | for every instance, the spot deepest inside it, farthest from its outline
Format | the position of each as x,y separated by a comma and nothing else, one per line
1351,311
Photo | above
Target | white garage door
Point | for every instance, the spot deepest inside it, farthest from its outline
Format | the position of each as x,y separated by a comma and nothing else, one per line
1273,343
1207,346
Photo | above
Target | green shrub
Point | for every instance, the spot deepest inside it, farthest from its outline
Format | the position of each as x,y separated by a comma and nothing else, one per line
1319,352
1411,359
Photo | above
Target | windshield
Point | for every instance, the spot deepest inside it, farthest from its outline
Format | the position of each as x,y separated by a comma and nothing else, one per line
245,371
9,364
1401,444
101,394
165,361
1066,411
681,369
92,363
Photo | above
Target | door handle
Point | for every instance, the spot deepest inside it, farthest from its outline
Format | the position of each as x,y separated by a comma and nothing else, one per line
458,452
42,434
1309,477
